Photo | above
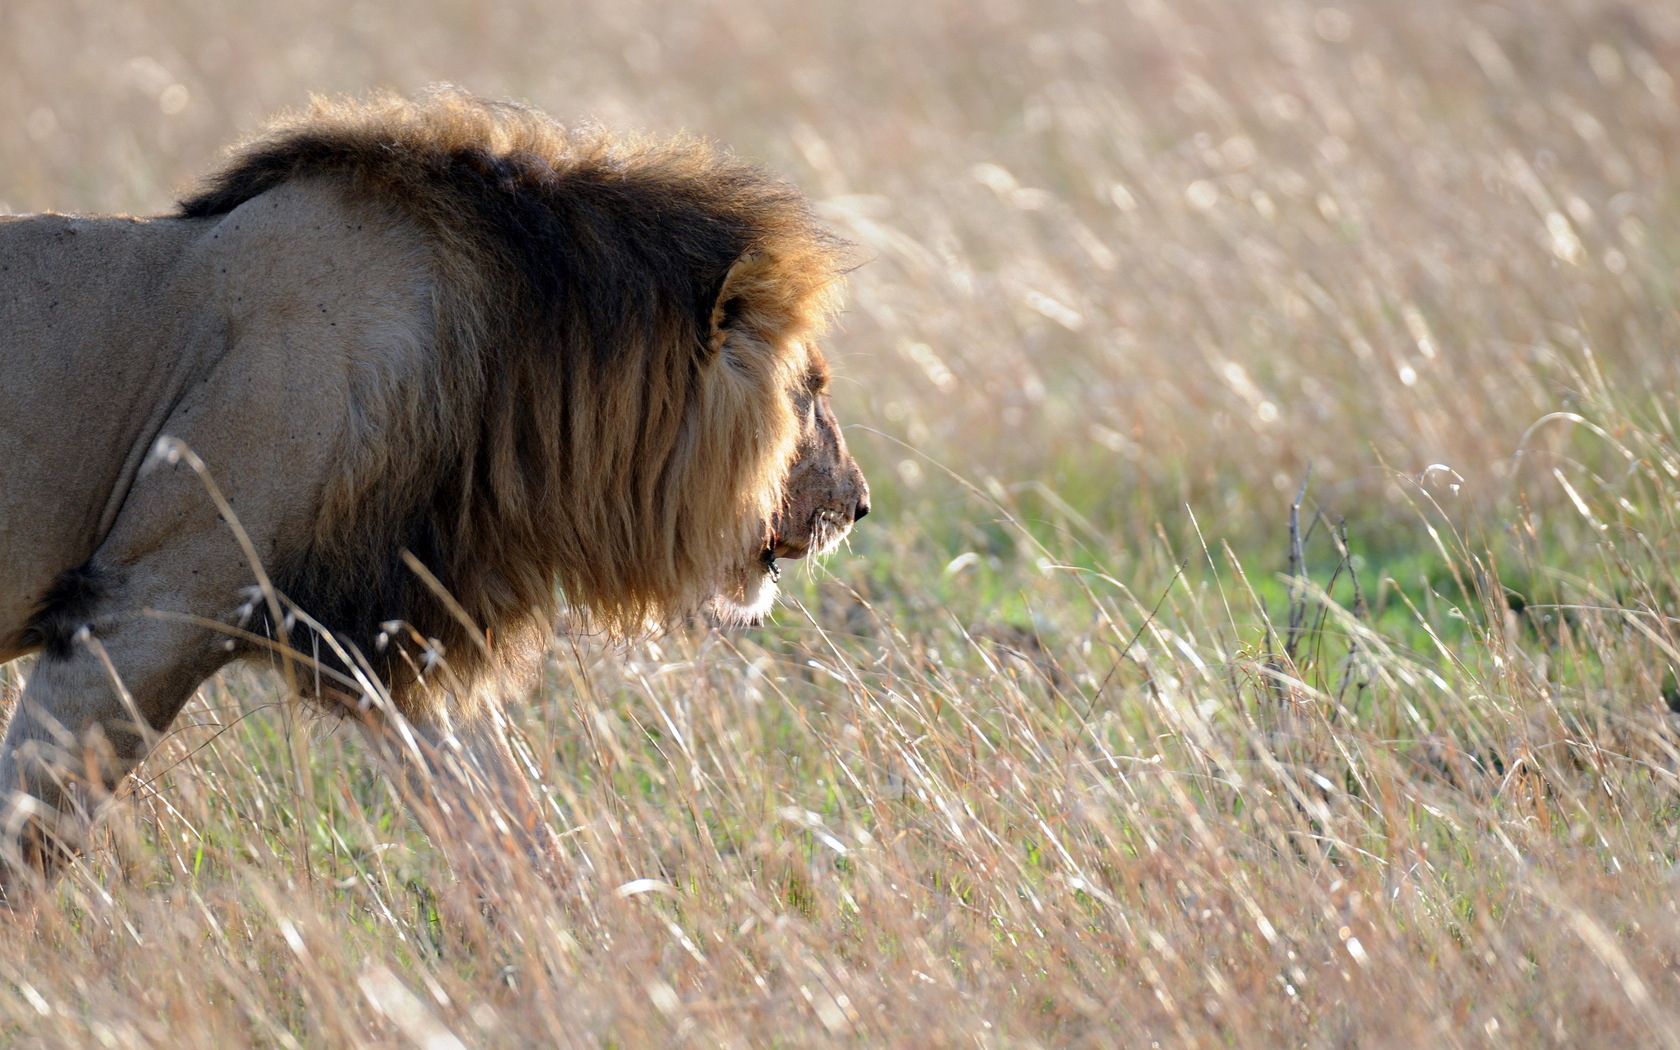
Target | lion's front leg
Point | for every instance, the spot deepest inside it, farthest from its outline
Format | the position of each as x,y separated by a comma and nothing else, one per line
109,679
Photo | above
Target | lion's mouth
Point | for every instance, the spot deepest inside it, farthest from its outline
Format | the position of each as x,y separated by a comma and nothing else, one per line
746,600
779,547
785,548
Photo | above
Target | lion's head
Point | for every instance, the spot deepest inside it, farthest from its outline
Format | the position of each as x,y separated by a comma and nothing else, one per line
624,396
823,494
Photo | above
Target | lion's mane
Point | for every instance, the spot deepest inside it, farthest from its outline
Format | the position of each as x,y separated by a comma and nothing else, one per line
578,426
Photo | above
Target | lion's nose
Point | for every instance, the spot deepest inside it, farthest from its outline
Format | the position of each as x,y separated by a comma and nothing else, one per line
860,489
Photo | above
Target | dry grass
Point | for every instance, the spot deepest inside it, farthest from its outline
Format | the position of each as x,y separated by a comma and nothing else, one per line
1057,753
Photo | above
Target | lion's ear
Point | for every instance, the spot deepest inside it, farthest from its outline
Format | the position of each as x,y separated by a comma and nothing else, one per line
730,304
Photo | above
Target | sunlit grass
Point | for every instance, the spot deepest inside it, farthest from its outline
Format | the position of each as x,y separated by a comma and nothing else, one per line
1072,745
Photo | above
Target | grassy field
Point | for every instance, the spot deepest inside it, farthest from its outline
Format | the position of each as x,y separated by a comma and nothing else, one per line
1265,635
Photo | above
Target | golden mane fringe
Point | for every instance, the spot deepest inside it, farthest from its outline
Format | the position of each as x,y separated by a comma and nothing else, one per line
619,324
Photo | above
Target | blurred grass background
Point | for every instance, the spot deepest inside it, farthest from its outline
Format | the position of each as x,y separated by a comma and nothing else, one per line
1088,738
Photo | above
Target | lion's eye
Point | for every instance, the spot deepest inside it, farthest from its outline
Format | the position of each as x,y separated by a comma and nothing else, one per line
816,378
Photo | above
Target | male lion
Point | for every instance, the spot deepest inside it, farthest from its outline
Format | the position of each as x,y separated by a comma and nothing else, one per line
395,385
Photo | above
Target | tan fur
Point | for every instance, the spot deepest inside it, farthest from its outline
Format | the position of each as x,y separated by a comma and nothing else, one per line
437,357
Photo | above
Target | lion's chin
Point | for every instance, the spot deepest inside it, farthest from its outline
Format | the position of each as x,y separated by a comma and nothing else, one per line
745,600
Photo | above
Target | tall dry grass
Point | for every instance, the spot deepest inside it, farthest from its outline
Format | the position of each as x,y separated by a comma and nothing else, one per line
1083,742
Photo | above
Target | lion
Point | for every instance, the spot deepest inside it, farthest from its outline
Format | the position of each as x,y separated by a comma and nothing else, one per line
402,383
